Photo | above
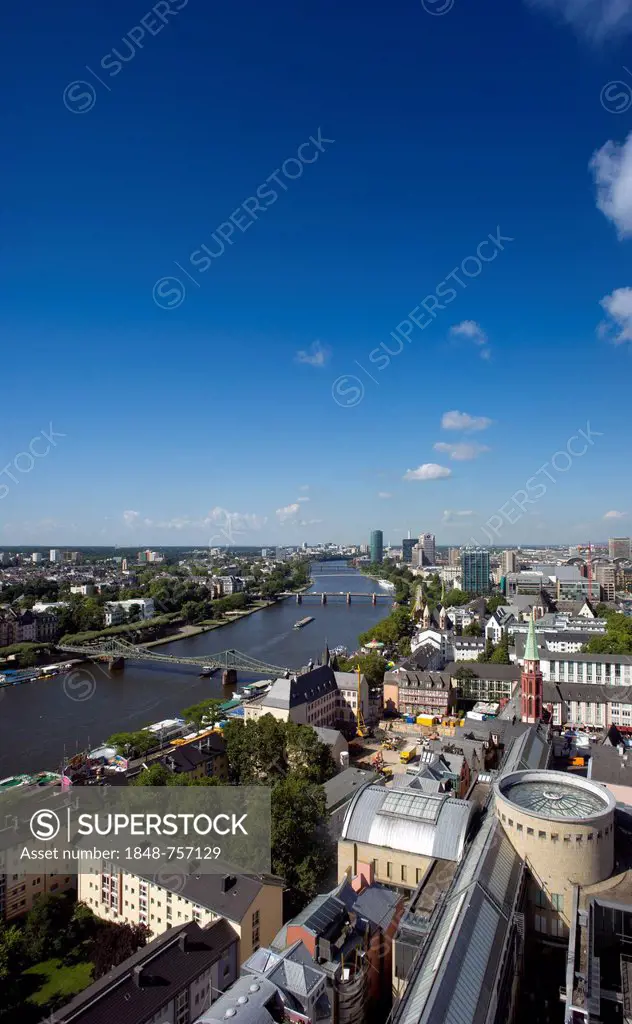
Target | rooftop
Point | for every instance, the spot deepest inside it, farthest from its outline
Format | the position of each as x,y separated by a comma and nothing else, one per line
555,796
137,989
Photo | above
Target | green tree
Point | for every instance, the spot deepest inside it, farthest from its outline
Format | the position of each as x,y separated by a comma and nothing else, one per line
114,944
47,925
473,629
372,666
494,602
207,713
501,654
456,597
487,654
302,848
133,744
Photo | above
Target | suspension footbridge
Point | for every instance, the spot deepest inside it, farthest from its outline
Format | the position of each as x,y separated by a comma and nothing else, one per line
118,651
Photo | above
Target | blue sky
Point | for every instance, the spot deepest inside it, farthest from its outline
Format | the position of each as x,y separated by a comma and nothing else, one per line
252,395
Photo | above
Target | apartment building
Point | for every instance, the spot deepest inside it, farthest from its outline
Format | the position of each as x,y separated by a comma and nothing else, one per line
253,905
172,980
597,669
19,891
118,611
588,704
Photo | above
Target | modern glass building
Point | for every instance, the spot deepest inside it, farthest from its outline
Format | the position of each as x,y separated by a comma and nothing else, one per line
377,546
408,544
475,571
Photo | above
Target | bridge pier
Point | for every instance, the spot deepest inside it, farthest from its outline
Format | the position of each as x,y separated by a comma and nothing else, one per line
116,663
323,599
229,677
348,598
373,598
299,598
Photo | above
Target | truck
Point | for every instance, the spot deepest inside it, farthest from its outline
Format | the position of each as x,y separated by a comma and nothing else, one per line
409,753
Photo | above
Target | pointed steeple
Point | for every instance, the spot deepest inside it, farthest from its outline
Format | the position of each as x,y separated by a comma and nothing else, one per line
326,655
531,646
442,593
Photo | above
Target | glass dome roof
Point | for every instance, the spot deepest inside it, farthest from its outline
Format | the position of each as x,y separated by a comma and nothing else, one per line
555,799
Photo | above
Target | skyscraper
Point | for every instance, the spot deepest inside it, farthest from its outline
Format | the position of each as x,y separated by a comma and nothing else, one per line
377,546
475,570
407,549
508,563
427,544
619,547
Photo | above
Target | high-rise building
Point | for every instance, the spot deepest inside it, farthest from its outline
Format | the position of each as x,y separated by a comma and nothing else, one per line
475,570
54,555
407,549
37,557
606,577
455,556
427,544
508,562
619,547
531,680
376,545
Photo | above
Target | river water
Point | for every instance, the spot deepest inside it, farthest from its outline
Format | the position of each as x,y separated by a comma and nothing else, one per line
43,721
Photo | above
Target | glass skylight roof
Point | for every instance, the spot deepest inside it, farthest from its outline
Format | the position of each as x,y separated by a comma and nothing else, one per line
413,805
555,799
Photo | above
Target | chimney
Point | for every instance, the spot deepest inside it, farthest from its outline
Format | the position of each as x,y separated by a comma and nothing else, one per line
138,976
228,882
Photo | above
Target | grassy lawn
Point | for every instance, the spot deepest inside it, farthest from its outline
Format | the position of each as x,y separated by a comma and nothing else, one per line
55,979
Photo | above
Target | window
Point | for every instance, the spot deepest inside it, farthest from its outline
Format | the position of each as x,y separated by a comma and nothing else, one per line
557,928
182,1007
554,837
255,919
510,822
529,831
541,835
540,923
389,869
540,898
567,839
557,901
403,872
518,826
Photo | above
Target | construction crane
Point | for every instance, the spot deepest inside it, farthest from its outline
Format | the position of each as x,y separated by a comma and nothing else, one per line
588,548
362,727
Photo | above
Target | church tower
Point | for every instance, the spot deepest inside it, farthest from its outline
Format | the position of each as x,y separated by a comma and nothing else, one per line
531,679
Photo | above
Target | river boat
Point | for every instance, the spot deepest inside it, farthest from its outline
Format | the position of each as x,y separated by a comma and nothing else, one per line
303,622
208,671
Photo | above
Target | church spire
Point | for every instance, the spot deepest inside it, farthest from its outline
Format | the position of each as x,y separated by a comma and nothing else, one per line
531,646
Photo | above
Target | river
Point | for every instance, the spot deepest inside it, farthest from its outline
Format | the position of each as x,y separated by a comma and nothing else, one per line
43,721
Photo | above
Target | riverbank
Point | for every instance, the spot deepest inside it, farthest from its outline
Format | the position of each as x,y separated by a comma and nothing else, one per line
185,632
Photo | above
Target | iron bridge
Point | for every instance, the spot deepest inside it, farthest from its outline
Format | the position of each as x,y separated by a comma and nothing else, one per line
114,649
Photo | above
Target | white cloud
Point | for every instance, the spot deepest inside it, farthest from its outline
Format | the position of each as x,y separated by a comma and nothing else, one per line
612,168
473,332
429,471
309,522
461,452
303,498
595,18
456,420
615,515
618,306
451,515
317,355
287,512
130,517
384,494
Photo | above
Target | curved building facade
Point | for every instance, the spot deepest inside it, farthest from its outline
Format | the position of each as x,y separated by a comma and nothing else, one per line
563,828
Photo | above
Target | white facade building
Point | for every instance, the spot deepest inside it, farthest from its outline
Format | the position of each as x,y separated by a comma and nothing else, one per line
118,611
54,555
